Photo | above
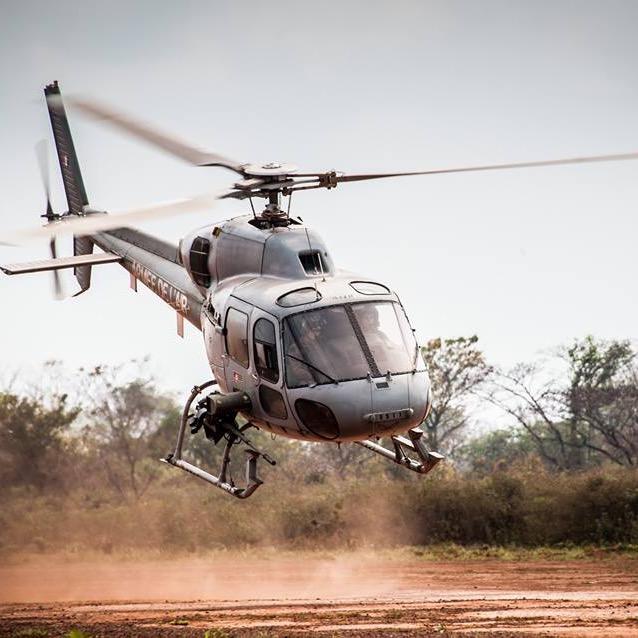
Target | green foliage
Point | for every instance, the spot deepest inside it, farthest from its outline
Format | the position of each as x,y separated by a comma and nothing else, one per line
216,633
598,364
600,507
459,510
530,508
32,442
457,368
77,633
497,450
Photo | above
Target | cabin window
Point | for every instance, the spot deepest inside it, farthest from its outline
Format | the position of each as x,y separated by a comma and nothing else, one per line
369,288
200,248
313,262
299,297
237,336
272,402
265,349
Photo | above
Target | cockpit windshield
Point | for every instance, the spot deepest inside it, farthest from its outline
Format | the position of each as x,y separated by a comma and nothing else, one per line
342,343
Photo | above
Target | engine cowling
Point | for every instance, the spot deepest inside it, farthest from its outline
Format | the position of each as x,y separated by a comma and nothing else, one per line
195,254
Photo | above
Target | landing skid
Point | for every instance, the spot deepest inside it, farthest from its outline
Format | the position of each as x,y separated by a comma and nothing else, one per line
217,417
425,461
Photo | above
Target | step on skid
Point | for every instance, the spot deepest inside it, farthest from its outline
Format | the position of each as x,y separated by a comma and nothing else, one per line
426,459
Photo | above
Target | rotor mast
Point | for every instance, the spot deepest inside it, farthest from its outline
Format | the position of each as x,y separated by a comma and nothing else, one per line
273,208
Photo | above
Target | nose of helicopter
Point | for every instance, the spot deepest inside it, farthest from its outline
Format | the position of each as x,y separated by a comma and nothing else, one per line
399,402
364,408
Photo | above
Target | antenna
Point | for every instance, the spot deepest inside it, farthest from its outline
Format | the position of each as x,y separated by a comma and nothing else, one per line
323,274
310,248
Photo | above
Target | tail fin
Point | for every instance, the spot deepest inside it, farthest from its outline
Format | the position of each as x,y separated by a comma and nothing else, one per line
71,176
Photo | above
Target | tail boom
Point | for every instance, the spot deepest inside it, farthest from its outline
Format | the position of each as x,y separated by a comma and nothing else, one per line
164,277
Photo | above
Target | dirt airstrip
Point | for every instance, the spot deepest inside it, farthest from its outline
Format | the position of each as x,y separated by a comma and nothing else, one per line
345,595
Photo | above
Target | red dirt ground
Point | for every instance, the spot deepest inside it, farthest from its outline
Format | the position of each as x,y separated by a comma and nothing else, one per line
346,596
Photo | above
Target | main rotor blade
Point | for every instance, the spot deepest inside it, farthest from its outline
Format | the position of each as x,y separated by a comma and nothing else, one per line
96,222
492,167
148,134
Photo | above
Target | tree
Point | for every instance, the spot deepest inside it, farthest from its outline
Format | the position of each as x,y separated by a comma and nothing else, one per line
603,399
535,403
129,423
32,439
457,370
585,415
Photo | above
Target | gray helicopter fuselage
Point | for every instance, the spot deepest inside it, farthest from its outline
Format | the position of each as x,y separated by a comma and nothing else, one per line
323,354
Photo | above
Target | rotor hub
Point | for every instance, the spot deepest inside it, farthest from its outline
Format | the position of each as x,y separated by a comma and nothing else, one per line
270,169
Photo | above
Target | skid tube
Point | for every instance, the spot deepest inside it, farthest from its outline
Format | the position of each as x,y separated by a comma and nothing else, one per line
427,459
233,435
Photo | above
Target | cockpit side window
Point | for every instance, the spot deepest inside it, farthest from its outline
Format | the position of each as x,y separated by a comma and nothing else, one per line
265,350
237,336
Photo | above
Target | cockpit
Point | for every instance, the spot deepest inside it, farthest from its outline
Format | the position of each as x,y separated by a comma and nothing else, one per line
347,342
321,363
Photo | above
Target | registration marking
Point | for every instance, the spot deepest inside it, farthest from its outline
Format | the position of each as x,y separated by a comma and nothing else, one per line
171,295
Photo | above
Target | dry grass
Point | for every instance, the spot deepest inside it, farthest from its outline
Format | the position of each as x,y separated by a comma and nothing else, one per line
444,516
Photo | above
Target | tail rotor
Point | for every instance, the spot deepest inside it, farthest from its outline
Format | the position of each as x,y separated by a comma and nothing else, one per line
42,153
58,293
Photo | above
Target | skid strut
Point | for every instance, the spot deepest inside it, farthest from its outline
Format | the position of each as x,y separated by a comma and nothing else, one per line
402,447
216,414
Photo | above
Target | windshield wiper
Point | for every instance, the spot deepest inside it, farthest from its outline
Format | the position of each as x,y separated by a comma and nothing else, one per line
315,368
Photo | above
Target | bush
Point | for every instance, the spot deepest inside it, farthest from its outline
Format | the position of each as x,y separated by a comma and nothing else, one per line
181,514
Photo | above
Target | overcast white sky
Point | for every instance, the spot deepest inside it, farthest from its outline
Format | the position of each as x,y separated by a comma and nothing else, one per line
526,259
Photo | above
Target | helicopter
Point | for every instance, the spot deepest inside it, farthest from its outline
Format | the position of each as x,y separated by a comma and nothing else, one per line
296,346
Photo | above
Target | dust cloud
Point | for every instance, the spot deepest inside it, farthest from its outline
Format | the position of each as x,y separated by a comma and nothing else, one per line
218,578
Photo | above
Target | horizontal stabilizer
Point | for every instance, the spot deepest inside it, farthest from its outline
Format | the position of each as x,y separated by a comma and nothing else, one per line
59,263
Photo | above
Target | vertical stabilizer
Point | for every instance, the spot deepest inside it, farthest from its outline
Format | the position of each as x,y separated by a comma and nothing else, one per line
71,176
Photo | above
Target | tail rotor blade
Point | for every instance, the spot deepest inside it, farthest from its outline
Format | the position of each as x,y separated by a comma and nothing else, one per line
42,153
57,284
